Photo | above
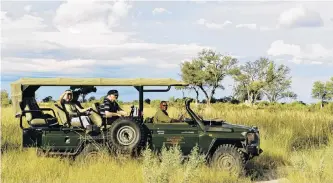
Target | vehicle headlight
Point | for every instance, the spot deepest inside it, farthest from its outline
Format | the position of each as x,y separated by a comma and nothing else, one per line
250,137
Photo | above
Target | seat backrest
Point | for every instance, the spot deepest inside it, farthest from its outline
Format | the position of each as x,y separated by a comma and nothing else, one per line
95,116
96,106
63,116
30,103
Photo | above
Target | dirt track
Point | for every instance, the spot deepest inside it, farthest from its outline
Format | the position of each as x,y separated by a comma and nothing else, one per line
283,180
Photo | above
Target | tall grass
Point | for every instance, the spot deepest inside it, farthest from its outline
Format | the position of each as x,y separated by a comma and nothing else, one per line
297,144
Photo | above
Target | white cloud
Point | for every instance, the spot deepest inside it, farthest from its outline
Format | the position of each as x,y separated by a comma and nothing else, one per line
81,27
310,53
199,1
164,65
167,56
27,8
91,16
26,23
213,25
300,17
17,65
12,65
266,28
249,26
160,10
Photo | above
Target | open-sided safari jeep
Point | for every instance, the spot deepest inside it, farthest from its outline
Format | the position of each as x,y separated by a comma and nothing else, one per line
225,145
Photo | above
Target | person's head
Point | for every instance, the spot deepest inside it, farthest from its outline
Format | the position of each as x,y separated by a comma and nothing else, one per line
164,105
68,96
112,95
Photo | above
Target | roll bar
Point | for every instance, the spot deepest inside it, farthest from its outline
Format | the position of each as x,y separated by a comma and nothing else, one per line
192,114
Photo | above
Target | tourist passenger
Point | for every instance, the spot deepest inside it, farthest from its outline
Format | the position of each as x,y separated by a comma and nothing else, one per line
75,112
110,108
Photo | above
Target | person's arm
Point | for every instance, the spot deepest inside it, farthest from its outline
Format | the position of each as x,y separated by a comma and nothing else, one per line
111,114
69,110
82,110
120,110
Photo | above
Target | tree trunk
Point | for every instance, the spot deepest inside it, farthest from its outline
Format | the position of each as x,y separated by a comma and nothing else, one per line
207,97
197,95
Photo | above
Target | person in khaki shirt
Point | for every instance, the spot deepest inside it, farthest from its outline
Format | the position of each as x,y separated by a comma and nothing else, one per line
162,116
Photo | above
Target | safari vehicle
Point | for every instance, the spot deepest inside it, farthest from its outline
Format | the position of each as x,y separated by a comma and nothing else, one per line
225,145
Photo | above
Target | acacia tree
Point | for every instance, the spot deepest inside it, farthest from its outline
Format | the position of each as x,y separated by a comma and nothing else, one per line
251,79
4,98
290,95
323,91
207,71
278,82
83,90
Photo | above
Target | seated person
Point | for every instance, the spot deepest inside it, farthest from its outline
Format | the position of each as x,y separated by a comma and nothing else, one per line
75,99
161,116
74,110
110,108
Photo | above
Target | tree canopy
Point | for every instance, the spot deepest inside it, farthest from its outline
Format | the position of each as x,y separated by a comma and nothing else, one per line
261,78
323,90
83,91
207,71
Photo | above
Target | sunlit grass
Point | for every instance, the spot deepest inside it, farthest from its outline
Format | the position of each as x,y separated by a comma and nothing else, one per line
297,145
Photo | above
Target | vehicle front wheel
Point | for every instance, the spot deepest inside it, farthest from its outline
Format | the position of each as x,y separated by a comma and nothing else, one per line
229,158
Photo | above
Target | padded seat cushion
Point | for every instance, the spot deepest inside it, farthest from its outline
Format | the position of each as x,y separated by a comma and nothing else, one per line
96,119
76,123
41,122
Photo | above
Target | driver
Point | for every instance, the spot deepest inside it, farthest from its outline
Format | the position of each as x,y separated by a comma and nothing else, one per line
161,116
110,108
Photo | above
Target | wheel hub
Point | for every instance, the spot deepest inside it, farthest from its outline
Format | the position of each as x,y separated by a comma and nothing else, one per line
126,135
227,162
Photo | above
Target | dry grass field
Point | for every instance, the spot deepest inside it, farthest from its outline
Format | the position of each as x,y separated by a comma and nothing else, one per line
297,144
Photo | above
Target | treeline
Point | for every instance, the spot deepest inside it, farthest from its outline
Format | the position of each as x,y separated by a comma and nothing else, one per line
253,81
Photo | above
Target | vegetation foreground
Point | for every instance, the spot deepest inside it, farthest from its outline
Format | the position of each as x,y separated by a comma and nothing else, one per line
297,145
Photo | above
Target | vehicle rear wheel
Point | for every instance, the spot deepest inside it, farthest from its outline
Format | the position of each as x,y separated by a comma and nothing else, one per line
126,136
229,158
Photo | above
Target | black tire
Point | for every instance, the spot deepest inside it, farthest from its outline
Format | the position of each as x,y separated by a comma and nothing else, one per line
229,158
126,136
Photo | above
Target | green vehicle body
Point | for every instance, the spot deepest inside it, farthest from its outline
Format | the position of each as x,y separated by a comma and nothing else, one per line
208,135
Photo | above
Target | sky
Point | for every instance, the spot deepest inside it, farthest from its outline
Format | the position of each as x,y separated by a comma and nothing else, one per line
150,39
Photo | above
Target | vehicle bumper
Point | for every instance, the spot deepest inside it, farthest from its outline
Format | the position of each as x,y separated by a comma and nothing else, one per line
254,150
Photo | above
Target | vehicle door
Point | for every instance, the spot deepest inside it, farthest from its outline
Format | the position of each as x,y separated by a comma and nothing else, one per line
169,134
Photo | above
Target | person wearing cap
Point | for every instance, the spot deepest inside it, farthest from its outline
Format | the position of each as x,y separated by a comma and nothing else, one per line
110,108
162,116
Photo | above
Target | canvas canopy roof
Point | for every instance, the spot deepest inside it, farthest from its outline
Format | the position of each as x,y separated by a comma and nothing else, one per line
18,87
99,82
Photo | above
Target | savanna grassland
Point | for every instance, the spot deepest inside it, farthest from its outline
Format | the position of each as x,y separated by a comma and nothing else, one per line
297,143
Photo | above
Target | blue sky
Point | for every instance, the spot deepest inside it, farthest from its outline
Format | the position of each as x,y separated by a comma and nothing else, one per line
151,38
